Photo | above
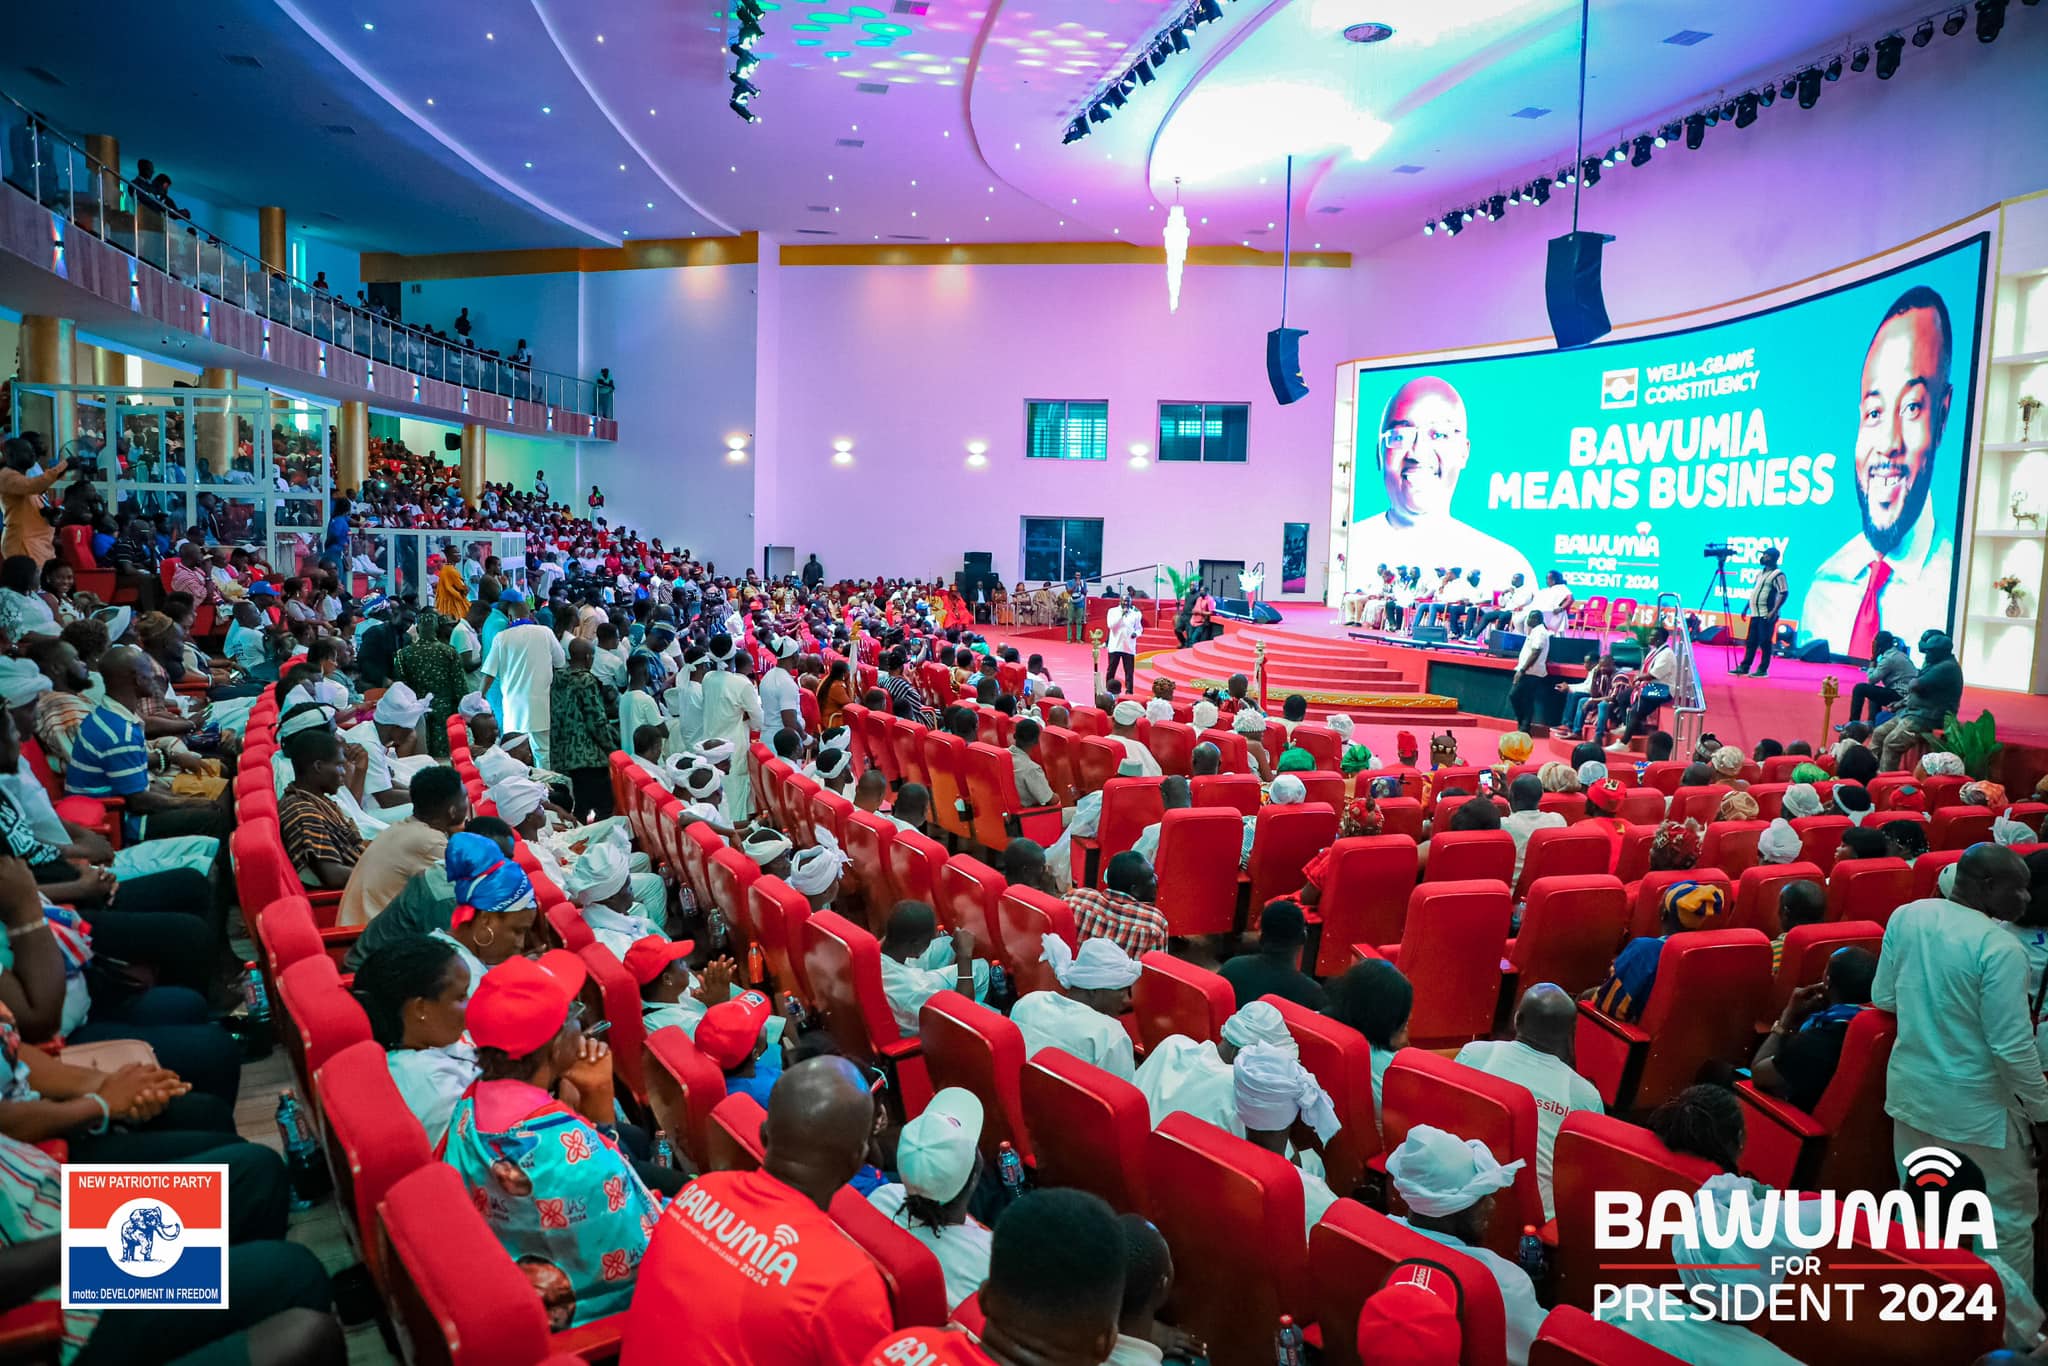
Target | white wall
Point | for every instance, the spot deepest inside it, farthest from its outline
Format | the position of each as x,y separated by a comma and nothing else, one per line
910,363
502,309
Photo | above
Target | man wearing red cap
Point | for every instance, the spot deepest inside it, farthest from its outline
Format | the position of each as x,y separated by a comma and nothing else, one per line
1413,1319
733,1034
748,1264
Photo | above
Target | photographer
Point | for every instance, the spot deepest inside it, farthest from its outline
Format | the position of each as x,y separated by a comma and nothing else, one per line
1766,600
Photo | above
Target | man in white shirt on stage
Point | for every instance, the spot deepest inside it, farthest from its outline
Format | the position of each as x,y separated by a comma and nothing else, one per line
1125,625
1423,448
1532,672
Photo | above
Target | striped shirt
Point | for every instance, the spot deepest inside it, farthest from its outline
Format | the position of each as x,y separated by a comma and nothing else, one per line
108,758
317,830
57,719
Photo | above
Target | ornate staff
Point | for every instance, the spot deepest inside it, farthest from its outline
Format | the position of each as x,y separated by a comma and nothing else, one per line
1259,671
1829,691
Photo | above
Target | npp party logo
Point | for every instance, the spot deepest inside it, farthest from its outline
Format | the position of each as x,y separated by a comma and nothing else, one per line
145,1237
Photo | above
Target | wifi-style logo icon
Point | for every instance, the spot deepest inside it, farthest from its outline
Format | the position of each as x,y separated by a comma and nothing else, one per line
1935,1167
784,1235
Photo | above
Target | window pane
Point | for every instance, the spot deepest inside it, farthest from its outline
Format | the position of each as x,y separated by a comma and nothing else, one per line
1042,537
1056,430
1045,424
1087,431
1225,439
1084,546
1180,431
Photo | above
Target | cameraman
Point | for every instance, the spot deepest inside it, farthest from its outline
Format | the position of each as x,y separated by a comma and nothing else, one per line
1766,600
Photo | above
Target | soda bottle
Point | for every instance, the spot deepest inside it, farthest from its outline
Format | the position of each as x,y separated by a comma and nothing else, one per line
304,1167
1011,1168
1530,1254
664,1151
1287,1347
757,963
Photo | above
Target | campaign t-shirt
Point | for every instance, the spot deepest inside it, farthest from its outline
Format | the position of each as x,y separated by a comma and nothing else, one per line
928,1347
744,1269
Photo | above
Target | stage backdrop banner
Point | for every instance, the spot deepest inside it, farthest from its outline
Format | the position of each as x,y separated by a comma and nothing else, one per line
1834,427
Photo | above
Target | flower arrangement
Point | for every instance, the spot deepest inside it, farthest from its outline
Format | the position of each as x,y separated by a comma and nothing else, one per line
2029,405
2015,596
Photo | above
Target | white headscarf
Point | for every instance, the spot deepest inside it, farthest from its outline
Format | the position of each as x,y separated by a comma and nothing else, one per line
716,751
1205,715
1779,842
813,871
1101,963
1287,790
1129,713
1801,799
330,692
787,646
1248,721
1343,725
1273,1089
764,846
314,717
21,682
472,704
598,873
1438,1173
1592,771
516,799
703,781
832,762
495,766
1259,1023
1942,764
401,706
118,620
843,740
2004,829
1159,709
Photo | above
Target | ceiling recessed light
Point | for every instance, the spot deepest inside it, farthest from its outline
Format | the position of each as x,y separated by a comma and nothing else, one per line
369,28
430,99
625,232
547,109
733,169
828,175
650,203
650,113
490,37
1368,33
913,213
913,184
622,165
529,165
600,37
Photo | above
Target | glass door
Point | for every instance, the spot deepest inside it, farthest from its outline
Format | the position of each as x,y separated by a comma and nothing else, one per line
1059,548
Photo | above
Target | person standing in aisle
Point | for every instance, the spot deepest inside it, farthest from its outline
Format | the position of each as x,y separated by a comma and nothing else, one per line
1126,624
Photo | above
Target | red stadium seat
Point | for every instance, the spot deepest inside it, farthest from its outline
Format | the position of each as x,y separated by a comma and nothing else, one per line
1731,846
1056,756
1598,1153
979,1050
1869,888
1456,935
914,863
1341,1059
1572,1337
458,1299
1806,953
945,763
868,839
1571,929
734,1136
1819,839
1088,721
1696,803
1324,745
1173,745
1351,1253
999,813
1398,815
1756,896
1197,866
1421,1087
1284,840
620,996
1570,852
906,738
698,846
1941,790
1570,805
682,1087
1088,1128
731,873
776,913
1236,753
1845,1144
967,893
1642,805
1327,787
1665,775
1464,777
1024,916
1633,859
1239,791
1096,761
1176,997
372,1141
911,1274
1239,1255
1710,986
1959,827
1364,896
1770,799
1927,870
1778,768
1469,855
829,812
286,933
844,964
1646,903
324,1018
1128,806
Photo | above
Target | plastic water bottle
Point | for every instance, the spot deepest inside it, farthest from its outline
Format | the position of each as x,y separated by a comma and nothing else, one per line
304,1166
1287,1347
796,1012
1531,1256
719,934
1011,1168
1642,772
998,982
664,1151
255,999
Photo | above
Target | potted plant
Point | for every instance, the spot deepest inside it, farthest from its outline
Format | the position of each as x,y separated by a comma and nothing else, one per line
2029,405
1974,742
2015,596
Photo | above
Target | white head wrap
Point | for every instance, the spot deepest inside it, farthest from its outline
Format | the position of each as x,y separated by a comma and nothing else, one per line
1942,764
516,799
764,846
1259,1023
1205,715
787,646
331,692
1592,771
1159,709
832,762
21,682
1287,790
1438,1173
598,873
1945,881
1129,713
495,766
716,751
1801,799
842,740
814,870
1248,721
1779,843
118,620
313,717
703,781
2004,829
1343,725
1101,964
472,704
401,706
1273,1089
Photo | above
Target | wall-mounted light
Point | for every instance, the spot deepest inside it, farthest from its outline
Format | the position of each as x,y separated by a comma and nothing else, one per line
735,448
1141,455
842,452
977,453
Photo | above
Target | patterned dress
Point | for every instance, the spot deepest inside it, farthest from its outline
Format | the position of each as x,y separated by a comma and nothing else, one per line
432,666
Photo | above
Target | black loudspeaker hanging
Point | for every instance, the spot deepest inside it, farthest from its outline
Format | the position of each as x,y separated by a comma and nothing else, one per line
1283,343
1571,288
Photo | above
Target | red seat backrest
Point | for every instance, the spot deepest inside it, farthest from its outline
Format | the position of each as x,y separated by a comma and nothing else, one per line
1598,1153
699,845
1239,1255
1088,1128
868,837
1778,768
1571,929
1441,780
829,812
1696,803
1365,895
1128,806
844,964
1646,906
1088,720
1756,895
977,1049
734,1135
460,1300
1570,805
881,745
1959,827
945,762
1642,804
326,1017
372,1140
1819,838
856,736
1633,858
682,1087
1239,791
1869,888
1927,870
1664,775
1451,952
1096,761
1469,855
621,997
1572,1337
911,1274
1236,753
286,931
777,911
1563,853
1806,953
1710,986
1940,790
1176,997
914,863
967,893
1350,1254
1197,869
1024,916
567,921
1857,1156
1284,840
1341,1059
1173,745
991,780
1056,757
1324,745
1327,787
1731,846
1421,1087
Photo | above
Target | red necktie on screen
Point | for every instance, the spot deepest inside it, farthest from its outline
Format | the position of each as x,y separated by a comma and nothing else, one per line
1864,633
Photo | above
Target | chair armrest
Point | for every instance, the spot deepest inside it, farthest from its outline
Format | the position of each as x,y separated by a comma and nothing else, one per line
597,1340
1365,951
1779,1137
1040,824
1610,1054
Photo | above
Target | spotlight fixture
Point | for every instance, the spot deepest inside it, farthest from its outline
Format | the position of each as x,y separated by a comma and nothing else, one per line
1453,224
1745,109
1955,21
749,34
1641,155
1589,171
1670,133
1765,98
1713,116
1860,59
1888,49
1788,87
741,109
1924,34
1076,130
1834,72
1098,113
1539,190
1179,39
750,11
1695,131
1728,110
1208,12
743,90
1990,19
1809,87
1115,98
744,62
1429,229
1144,71
1497,207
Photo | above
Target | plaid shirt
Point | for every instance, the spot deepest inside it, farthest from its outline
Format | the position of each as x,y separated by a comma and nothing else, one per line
1132,925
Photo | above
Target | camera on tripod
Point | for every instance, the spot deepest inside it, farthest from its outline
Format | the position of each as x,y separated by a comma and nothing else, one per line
1718,550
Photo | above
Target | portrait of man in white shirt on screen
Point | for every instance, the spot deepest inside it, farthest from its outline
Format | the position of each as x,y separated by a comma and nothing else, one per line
1423,449
1894,575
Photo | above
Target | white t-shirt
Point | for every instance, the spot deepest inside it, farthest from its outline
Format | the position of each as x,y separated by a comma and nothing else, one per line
1126,624
962,1249
779,694
1535,660
1550,601
523,659
1522,824
1557,1088
431,1080
1049,1020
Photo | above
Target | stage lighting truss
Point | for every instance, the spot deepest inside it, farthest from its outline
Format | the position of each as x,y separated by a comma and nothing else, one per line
745,61
1803,84
1143,70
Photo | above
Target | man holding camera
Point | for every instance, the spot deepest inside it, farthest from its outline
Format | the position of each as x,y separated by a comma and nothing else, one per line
1766,601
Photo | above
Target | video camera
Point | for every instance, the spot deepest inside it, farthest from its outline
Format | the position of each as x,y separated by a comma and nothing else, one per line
1718,550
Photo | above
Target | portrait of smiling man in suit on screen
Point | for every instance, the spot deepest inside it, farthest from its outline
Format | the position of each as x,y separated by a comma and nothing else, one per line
1423,448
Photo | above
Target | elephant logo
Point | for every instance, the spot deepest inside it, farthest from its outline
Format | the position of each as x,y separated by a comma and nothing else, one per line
140,1230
